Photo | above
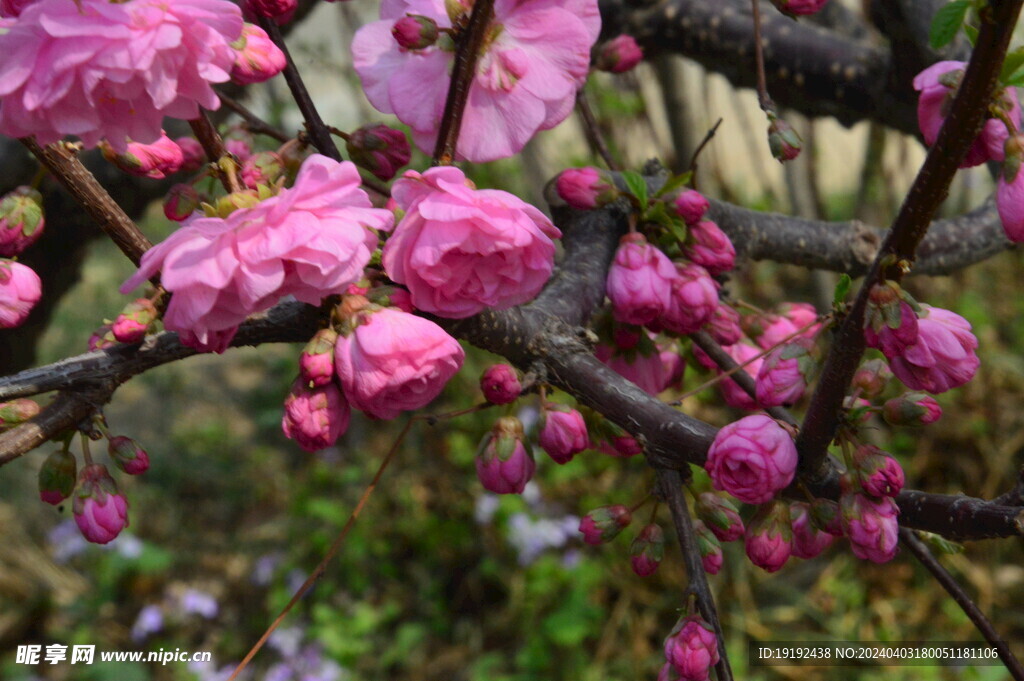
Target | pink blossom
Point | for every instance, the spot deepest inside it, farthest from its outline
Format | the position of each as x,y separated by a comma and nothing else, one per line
156,160
20,290
769,538
644,366
21,220
708,246
911,409
710,548
639,281
724,325
752,459
943,356
808,540
308,241
1010,190
134,320
720,516
690,205
128,455
526,78
379,149
785,373
647,550
618,55
799,7
563,432
586,188
504,463
257,58
871,525
693,299
500,384
879,474
99,70
316,362
100,512
692,648
394,362
460,250
315,417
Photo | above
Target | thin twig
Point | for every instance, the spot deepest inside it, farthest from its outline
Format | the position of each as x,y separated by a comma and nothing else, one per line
763,99
703,143
593,132
963,599
254,123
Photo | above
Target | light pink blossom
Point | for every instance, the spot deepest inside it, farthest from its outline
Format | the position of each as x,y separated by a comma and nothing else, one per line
943,356
640,281
315,417
752,459
257,58
20,290
693,299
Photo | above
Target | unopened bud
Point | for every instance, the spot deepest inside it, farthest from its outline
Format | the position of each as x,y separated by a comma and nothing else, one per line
586,188
500,384
128,455
619,54
133,322
181,201
57,477
605,523
647,550
504,462
911,409
17,411
710,548
872,377
415,32
316,363
262,168
783,140
21,220
379,149
720,516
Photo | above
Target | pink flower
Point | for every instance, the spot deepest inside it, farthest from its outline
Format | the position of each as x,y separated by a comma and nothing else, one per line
604,524
724,325
618,55
379,149
647,550
693,299
257,58
871,525
768,540
526,78
690,205
308,241
128,455
504,463
871,377
20,290
639,281
879,474
460,250
943,356
799,7
911,409
414,32
720,516
1010,190
708,246
586,188
808,540
57,477
644,366
315,417
98,70
100,512
692,648
157,160
21,220
131,325
752,459
500,384
563,432
394,362
785,373
710,548
316,363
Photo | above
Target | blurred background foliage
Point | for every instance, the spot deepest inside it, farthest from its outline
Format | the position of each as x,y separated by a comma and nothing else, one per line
439,580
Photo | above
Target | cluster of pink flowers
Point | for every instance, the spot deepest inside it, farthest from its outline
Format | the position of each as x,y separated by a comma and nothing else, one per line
526,78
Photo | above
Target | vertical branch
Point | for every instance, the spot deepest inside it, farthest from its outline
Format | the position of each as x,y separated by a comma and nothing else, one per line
670,487
593,132
763,99
213,145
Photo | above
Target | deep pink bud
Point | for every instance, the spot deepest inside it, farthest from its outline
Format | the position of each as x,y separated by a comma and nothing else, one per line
826,517
315,417
57,477
639,281
21,220
879,474
783,140
563,432
586,188
708,246
724,325
12,8
911,409
799,7
128,455
504,462
257,58
943,356
647,550
692,648
193,154
380,149
263,168
100,512
316,363
720,516
102,338
871,377
690,205
693,299
890,322
272,9
181,201
1010,190
621,446
604,524
500,384
785,373
20,290
156,160
17,411
136,317
872,526
752,459
710,548
808,540
618,55
415,32
769,537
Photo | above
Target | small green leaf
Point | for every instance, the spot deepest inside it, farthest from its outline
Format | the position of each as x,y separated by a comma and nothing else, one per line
946,23
678,228
637,186
940,543
842,290
972,34
675,183
1013,62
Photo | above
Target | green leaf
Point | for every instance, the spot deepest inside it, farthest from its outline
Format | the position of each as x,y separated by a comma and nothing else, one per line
675,183
1013,62
842,290
946,23
636,185
972,34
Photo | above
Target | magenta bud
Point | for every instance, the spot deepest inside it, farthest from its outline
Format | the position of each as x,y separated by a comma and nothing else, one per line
504,462
57,477
808,540
500,384
691,649
128,455
181,201
156,160
379,149
783,140
280,10
872,526
136,317
890,321
415,32
16,412
872,376
720,516
769,536
586,188
618,55
316,363
724,325
102,338
690,205
708,246
100,511
785,373
605,523
647,550
20,290
826,516
879,474
710,548
315,417
911,409
795,8
563,432
262,168
257,58
21,220
752,459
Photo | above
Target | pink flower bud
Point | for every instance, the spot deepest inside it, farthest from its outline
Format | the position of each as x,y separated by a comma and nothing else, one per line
890,322
618,55
263,168
415,32
911,409
871,377
193,154
802,316
315,417
639,281
1010,190
21,220
621,446
281,10
752,459
724,325
785,373
692,648
17,411
647,550
504,462
720,516
380,149
257,58
708,246
181,201
783,140
769,329
500,384
102,338
563,432
799,7
394,362
604,524
769,537
57,477
652,369
826,517
136,317
709,546
690,205
156,160
586,188
20,290
808,540
943,356
316,363
879,474
100,512
693,299
871,525
128,455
